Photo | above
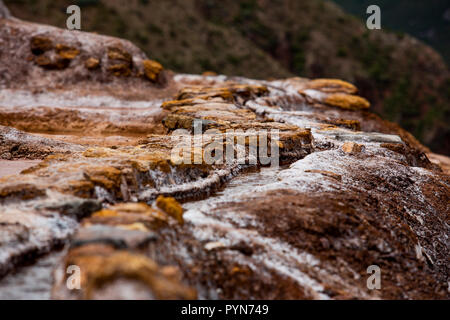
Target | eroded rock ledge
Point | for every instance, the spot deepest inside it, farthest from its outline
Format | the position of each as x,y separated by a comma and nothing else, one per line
352,190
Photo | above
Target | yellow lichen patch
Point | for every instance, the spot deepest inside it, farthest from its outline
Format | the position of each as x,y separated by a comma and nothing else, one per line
137,226
222,95
92,63
101,266
23,191
79,188
177,121
43,61
116,53
227,93
129,214
141,166
196,91
40,44
121,69
304,133
67,52
170,206
139,208
326,126
98,153
241,270
209,74
352,147
347,101
354,125
152,69
105,213
280,145
218,111
152,161
108,177
70,167
190,157
121,61
295,139
168,105
163,165
46,62
121,219
331,86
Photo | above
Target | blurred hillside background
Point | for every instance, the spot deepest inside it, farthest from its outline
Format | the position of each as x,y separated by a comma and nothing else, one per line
400,69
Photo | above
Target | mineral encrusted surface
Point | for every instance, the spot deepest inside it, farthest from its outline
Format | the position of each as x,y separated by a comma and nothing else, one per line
88,128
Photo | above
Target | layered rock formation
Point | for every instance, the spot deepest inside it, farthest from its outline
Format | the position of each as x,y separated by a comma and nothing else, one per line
143,219
405,80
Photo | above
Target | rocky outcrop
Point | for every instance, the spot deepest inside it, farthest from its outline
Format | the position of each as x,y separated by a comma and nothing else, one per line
166,190
109,248
73,57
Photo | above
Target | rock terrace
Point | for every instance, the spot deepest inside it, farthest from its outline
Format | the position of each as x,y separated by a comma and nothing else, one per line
352,190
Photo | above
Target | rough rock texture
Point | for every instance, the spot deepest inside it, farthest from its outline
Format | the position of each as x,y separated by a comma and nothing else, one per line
112,250
145,214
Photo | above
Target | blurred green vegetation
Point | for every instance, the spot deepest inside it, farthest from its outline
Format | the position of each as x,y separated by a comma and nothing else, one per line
428,21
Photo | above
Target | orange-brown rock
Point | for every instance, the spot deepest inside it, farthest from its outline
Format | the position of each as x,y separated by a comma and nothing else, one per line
102,267
152,69
98,153
236,90
23,191
119,70
168,105
209,73
346,123
129,216
120,62
40,44
171,207
332,86
107,177
352,147
67,52
52,62
79,188
347,101
117,53
92,63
